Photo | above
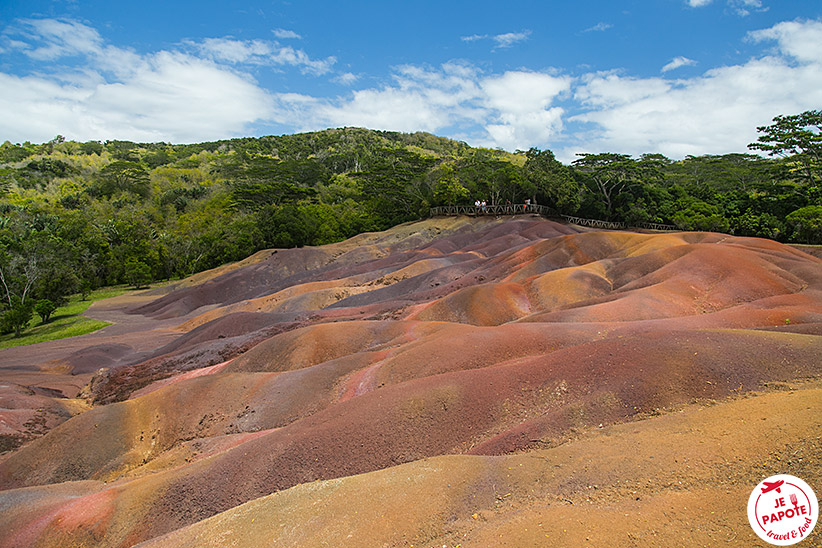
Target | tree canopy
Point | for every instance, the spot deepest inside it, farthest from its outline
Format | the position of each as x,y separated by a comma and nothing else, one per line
75,216
797,137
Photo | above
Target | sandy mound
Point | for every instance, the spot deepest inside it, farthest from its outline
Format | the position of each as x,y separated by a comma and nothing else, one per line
644,483
471,349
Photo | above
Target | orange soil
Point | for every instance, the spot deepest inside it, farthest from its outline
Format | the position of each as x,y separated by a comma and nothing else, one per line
473,350
682,479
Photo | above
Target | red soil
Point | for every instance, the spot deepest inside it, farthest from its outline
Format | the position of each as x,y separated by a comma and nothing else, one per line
452,337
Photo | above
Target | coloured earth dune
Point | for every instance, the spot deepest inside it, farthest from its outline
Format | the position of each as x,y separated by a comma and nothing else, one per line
451,382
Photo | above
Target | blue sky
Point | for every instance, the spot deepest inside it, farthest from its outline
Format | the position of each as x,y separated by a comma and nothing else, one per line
672,76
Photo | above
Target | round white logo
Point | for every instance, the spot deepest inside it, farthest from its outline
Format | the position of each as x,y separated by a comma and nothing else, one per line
783,510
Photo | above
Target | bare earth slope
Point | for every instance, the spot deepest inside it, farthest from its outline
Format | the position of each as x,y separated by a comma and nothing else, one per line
494,382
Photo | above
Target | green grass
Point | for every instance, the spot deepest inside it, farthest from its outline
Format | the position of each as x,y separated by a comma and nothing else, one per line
65,322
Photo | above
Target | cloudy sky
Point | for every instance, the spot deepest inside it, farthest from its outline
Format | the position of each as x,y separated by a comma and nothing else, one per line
672,76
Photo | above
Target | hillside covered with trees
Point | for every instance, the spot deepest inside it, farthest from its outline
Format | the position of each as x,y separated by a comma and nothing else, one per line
76,216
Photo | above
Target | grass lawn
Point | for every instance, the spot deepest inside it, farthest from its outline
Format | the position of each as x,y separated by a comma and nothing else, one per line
66,321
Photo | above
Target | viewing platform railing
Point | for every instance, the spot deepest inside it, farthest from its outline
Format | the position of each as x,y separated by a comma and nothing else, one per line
498,209
545,211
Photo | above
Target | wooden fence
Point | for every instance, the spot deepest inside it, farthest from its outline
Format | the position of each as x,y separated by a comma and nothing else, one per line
499,209
545,211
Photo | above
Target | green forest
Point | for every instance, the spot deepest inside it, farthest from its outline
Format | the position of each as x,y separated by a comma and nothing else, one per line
77,216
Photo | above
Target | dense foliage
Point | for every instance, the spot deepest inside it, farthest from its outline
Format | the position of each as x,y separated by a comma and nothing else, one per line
76,216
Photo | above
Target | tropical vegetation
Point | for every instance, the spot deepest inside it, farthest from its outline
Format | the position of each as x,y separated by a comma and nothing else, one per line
78,216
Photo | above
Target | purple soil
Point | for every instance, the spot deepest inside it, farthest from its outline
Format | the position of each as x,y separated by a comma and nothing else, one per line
519,334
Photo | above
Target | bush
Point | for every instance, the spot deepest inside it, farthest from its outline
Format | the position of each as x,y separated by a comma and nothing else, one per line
138,274
807,224
701,216
17,317
44,309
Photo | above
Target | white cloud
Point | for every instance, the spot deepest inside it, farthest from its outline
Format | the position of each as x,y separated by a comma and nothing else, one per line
608,89
677,62
57,38
419,100
173,97
235,51
261,52
599,27
521,103
297,57
181,95
520,92
346,78
284,34
169,96
715,112
512,110
389,108
801,40
205,92
501,40
510,38
744,7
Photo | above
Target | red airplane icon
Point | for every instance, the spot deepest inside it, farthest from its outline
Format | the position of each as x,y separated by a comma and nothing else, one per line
770,486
